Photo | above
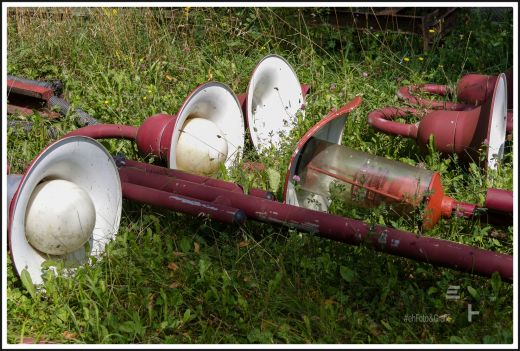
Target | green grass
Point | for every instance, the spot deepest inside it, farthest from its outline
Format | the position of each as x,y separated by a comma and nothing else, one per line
168,278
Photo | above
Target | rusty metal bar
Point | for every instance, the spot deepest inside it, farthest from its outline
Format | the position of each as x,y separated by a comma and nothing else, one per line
105,131
32,90
184,204
396,242
194,178
18,110
176,174
45,95
499,200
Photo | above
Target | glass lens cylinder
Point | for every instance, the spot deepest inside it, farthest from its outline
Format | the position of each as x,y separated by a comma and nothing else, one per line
361,179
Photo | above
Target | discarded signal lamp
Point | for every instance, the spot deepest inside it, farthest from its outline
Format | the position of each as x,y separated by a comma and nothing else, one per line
146,178
320,169
207,130
472,90
209,127
66,206
460,132
220,200
274,98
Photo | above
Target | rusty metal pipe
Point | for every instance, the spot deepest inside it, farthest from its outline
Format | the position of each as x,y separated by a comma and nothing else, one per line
264,194
381,120
396,242
194,178
180,203
464,209
104,131
499,200
166,183
407,93
499,205
55,85
472,90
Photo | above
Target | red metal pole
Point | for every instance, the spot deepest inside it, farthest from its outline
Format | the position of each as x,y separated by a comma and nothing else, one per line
261,193
104,131
101,131
406,93
184,204
464,209
499,200
421,248
194,178
380,119
499,204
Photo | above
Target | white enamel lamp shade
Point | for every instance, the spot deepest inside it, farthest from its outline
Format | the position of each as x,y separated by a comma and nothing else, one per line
220,137
82,166
496,136
274,96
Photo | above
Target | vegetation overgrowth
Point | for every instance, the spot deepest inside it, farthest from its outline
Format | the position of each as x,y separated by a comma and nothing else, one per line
172,278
